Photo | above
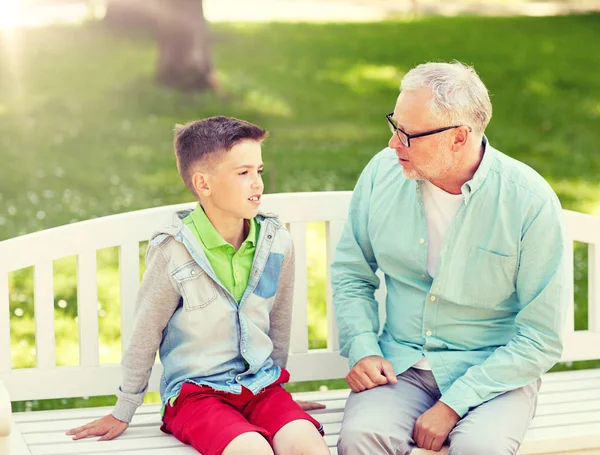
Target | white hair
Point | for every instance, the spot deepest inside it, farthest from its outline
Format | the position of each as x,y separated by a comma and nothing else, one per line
459,95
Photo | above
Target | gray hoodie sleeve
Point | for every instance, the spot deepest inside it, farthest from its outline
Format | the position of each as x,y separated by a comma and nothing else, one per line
281,313
156,302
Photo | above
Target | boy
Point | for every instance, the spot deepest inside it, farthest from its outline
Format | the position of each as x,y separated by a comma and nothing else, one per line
216,300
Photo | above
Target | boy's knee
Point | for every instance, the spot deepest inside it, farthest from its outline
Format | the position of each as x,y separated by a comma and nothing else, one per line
299,437
248,443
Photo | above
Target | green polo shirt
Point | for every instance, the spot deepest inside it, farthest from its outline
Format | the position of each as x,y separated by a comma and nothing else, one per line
231,267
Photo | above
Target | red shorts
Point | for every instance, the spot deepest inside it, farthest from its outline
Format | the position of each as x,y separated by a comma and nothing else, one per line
209,420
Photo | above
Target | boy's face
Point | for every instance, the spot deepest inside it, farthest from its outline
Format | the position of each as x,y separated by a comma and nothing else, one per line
234,185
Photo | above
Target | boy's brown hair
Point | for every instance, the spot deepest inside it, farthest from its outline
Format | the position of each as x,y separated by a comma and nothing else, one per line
205,140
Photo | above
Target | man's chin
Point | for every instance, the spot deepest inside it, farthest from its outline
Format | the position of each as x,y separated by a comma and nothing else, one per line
412,174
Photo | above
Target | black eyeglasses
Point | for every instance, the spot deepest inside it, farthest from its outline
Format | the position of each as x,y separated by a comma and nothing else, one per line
405,137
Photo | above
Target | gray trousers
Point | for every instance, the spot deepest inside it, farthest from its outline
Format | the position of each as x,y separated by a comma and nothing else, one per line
381,420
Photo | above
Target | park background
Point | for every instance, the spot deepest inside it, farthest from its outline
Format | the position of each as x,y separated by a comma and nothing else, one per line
90,93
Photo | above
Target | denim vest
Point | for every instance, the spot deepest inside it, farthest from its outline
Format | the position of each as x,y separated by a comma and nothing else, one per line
211,339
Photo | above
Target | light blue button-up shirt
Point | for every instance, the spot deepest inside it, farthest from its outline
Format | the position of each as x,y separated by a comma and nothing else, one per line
491,320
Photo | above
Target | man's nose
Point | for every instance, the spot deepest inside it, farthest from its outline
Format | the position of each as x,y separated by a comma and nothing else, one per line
394,142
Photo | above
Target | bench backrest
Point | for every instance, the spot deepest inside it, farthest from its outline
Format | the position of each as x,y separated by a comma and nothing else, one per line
126,231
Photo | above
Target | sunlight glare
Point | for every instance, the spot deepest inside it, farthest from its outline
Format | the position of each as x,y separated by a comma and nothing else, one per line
9,13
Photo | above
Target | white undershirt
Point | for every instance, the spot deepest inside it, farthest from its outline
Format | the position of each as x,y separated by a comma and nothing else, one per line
440,210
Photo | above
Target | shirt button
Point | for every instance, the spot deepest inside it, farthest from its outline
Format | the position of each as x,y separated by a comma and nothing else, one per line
428,333
239,378
432,298
244,351
423,276
193,272
421,240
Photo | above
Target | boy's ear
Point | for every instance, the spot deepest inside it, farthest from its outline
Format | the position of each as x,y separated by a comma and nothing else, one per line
201,183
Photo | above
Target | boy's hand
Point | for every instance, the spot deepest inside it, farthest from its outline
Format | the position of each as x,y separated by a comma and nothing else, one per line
310,405
108,427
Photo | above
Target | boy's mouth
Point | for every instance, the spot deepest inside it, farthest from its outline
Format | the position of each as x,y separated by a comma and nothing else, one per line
255,198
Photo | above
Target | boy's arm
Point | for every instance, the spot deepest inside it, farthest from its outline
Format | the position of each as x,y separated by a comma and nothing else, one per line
156,302
281,313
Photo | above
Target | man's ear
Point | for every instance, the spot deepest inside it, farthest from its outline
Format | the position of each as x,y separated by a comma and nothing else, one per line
461,135
201,184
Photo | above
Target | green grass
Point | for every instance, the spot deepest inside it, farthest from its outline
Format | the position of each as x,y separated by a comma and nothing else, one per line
85,132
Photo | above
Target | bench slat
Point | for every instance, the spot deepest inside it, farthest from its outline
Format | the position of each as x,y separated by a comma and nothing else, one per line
334,232
75,413
556,439
45,342
581,345
5,363
129,274
569,258
180,450
594,286
546,409
60,437
380,296
299,336
87,308
581,384
91,445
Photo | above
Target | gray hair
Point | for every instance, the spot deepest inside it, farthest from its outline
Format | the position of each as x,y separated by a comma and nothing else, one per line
459,95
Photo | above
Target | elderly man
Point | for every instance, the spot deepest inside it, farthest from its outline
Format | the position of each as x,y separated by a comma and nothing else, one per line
471,245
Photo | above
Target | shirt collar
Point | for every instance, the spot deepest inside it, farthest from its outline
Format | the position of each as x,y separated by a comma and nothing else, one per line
209,235
470,187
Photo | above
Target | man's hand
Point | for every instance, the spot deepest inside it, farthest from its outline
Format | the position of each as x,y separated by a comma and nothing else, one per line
370,372
434,426
310,405
108,427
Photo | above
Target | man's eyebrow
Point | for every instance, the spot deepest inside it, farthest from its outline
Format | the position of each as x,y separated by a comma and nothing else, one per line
399,125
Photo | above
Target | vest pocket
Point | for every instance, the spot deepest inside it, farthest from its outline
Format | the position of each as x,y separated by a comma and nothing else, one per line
269,280
195,286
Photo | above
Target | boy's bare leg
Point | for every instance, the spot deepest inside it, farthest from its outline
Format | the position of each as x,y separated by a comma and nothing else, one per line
299,437
248,444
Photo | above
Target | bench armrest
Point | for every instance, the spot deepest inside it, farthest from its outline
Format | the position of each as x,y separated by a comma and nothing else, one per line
5,412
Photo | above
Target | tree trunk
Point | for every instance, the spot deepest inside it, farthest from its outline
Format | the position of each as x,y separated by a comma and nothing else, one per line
184,57
127,15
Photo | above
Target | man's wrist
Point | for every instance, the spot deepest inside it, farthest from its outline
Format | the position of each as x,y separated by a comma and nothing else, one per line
452,414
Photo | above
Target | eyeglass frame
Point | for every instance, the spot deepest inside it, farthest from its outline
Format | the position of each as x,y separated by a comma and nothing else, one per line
395,129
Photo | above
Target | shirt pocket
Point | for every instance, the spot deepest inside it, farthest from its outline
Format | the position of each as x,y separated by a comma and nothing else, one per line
269,280
489,278
196,287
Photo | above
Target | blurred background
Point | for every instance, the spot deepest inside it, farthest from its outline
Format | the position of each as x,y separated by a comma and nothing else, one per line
90,92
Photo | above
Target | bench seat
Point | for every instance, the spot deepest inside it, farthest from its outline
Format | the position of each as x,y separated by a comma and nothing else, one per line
567,422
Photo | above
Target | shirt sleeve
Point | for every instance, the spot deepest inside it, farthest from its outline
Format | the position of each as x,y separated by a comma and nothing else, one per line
280,324
156,302
353,278
541,286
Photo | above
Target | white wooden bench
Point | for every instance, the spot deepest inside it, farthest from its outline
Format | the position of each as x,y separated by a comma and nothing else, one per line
567,421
